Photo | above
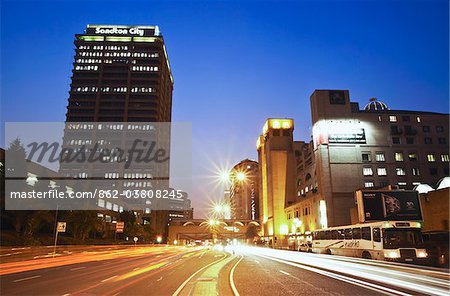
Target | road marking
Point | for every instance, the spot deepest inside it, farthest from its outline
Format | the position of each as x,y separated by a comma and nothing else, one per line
136,268
9,254
28,278
257,261
356,282
284,272
159,279
78,268
110,278
233,287
67,294
195,273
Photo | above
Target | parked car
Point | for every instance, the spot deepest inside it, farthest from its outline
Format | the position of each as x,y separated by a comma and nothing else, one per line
305,247
437,245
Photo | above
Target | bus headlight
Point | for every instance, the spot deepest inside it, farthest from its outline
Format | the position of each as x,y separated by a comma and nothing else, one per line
391,254
421,254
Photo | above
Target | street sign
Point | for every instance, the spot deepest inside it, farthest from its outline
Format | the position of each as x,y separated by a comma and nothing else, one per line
120,226
61,227
135,239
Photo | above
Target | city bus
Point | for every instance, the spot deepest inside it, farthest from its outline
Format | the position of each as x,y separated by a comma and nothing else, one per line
399,241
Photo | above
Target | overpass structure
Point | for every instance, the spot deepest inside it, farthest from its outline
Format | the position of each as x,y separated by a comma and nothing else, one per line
184,231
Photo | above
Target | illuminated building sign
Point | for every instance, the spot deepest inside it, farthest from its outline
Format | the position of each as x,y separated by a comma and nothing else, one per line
122,30
355,136
388,205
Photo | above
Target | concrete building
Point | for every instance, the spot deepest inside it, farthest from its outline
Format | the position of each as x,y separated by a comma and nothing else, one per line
351,149
435,210
244,191
277,178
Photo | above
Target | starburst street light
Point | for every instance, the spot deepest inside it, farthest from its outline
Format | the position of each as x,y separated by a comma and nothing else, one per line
218,208
225,176
240,176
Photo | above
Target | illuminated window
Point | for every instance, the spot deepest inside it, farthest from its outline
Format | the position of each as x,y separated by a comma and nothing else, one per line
431,158
379,156
380,118
415,171
398,156
418,119
401,183
393,118
368,184
381,171
101,203
367,171
412,156
400,171
366,156
444,158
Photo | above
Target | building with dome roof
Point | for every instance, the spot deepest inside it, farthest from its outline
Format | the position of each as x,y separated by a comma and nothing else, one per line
376,105
352,149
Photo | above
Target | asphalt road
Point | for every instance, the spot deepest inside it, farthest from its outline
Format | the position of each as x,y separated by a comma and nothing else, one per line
196,271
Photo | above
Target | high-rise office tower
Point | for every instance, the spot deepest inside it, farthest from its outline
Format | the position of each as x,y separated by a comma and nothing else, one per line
120,74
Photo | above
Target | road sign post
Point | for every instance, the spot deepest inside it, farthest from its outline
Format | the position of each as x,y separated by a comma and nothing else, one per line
135,240
119,229
61,227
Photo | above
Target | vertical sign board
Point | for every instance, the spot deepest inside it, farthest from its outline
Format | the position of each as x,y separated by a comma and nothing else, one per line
379,205
61,227
120,226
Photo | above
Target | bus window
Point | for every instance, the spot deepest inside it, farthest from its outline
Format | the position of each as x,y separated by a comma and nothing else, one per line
376,235
314,236
366,233
327,234
341,234
356,233
334,234
348,233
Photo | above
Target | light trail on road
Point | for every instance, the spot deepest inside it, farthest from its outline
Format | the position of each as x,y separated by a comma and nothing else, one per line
399,276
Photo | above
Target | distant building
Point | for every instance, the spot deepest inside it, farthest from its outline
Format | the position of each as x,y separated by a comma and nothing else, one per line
244,191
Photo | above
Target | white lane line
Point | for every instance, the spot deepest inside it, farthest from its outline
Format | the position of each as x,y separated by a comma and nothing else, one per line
27,278
110,278
9,254
195,273
67,294
78,268
159,279
284,272
356,282
136,268
257,261
233,286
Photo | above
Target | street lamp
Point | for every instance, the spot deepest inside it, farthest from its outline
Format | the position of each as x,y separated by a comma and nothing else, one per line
158,239
240,176
218,208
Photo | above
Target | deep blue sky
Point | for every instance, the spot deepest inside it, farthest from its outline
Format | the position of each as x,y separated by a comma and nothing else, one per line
237,63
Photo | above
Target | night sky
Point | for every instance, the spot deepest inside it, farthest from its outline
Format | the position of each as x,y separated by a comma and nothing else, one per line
237,63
